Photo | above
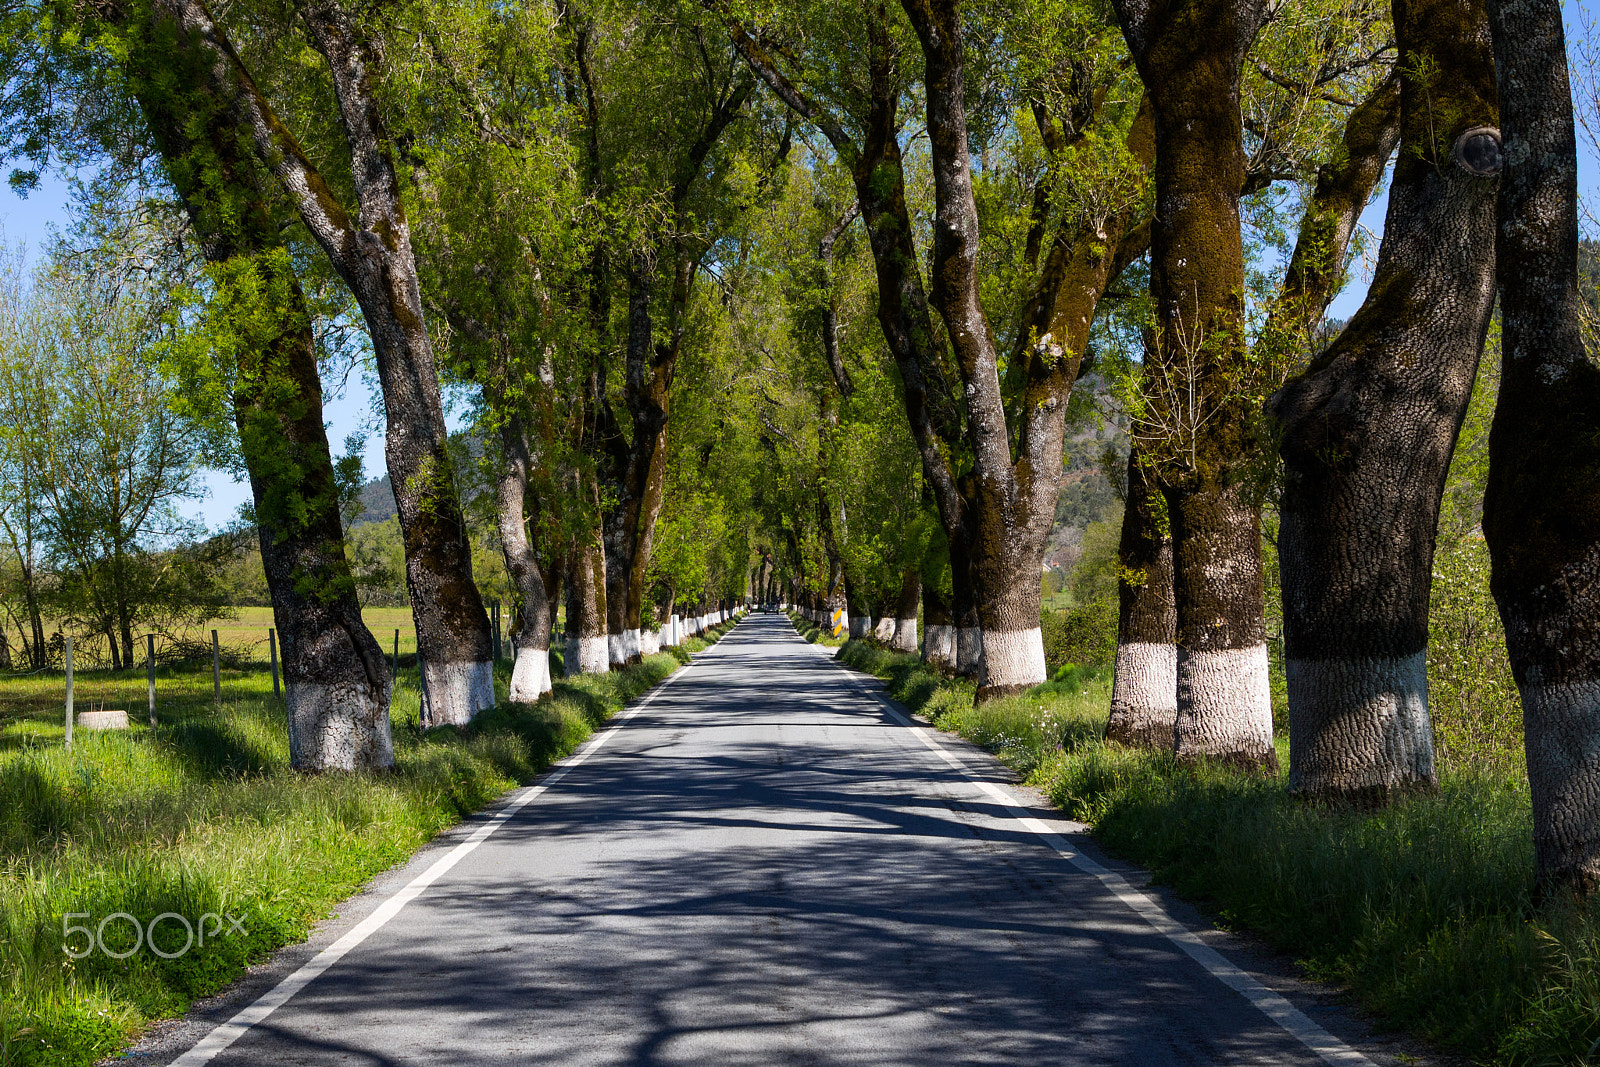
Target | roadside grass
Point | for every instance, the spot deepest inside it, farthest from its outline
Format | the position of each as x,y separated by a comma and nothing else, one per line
1423,910
202,815
813,633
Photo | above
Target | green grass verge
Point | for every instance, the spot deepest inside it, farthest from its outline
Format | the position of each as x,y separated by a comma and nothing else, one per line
203,815
1423,909
813,633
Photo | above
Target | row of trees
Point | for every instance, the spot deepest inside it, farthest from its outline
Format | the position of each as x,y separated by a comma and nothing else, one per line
789,297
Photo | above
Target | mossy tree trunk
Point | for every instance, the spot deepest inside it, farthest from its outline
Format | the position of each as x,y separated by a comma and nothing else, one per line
530,674
1015,483
1370,426
1144,686
1542,508
904,638
372,253
337,683
587,648
1190,54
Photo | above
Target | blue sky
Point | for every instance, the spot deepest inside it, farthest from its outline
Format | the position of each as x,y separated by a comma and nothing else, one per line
29,222
350,411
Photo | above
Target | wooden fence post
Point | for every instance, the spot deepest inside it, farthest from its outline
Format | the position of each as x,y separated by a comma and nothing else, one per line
272,646
66,645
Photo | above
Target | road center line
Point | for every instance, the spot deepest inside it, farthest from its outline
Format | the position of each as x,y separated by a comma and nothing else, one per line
1273,1005
213,1044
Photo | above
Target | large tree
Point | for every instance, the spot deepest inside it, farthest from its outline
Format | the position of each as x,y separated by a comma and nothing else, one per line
1369,427
1542,507
337,684
370,248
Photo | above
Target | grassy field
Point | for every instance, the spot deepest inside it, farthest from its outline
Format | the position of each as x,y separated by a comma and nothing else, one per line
1424,909
202,816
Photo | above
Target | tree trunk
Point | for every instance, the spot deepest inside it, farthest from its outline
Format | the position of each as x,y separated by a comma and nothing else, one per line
964,609
1369,429
530,675
1541,514
938,629
587,648
1144,686
37,656
905,613
1190,54
859,614
883,620
373,255
336,683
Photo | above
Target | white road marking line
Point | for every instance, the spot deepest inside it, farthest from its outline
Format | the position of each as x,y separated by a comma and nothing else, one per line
1273,1005
213,1044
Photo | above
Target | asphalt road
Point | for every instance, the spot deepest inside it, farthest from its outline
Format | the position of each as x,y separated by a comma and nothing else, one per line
766,865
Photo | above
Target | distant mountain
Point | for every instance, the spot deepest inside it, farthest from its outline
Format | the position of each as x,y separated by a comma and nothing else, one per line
377,502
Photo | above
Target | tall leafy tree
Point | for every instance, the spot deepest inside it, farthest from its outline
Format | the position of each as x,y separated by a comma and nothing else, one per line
989,432
370,248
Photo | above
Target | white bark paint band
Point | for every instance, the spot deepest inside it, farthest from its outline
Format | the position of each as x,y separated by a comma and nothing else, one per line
529,674
452,693
649,642
594,655
1224,703
338,727
1273,1005
1013,657
1146,680
1360,723
905,635
883,629
631,645
860,625
218,1040
616,650
939,645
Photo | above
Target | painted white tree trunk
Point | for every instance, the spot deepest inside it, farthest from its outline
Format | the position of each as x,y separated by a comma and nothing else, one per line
939,646
617,650
343,727
1225,705
649,642
530,674
1144,695
452,693
1381,741
1013,659
860,626
905,635
631,645
588,655
883,629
